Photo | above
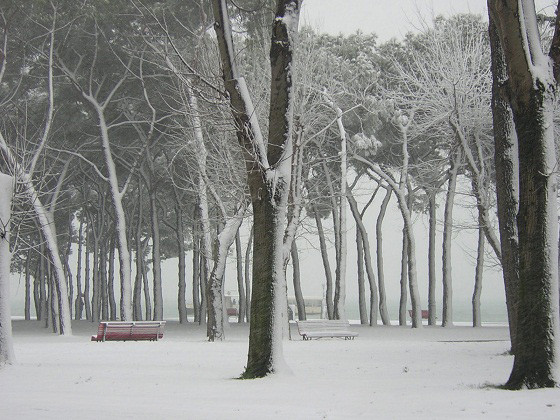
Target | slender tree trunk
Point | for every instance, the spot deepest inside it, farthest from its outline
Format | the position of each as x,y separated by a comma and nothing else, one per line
432,258
447,315
196,276
79,303
87,271
361,280
43,288
156,257
326,265
111,281
477,320
137,296
103,279
97,284
27,285
380,271
182,286
248,275
404,277
36,287
240,282
302,315
147,299
7,355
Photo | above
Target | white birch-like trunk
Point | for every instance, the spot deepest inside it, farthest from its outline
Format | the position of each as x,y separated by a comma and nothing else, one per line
120,219
7,355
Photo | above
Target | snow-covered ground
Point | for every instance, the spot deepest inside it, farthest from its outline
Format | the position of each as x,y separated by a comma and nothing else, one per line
386,373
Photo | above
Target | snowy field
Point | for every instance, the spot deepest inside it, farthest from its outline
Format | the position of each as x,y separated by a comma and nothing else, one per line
386,373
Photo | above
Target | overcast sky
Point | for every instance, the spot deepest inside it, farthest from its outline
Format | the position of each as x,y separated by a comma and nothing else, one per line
389,18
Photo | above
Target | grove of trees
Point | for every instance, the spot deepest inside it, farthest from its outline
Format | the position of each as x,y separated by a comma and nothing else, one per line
135,132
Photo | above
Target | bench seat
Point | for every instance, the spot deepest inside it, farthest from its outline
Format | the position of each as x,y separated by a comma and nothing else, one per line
325,328
129,331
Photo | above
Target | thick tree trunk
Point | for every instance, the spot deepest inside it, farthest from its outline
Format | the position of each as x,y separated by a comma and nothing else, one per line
379,251
240,280
447,314
268,178
326,265
507,180
532,85
7,355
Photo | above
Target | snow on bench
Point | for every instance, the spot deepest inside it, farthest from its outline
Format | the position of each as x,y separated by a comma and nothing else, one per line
319,328
129,330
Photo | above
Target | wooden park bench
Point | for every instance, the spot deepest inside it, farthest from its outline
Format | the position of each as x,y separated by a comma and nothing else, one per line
129,330
320,328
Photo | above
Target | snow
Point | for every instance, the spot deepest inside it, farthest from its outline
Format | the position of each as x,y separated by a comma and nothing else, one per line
387,372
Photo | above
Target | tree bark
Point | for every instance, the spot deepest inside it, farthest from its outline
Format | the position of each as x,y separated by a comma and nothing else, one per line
111,281
79,303
404,277
268,178
182,286
27,310
447,314
432,257
532,84
302,315
326,265
240,281
156,256
507,179
479,271
379,250
7,355
248,275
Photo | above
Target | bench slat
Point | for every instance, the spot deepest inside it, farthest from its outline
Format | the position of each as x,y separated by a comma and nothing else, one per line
319,328
129,330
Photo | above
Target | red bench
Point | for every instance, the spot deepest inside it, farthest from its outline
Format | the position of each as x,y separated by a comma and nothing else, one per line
129,330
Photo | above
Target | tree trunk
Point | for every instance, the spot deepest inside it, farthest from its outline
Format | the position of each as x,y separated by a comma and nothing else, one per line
361,280
182,286
27,285
477,320
248,275
432,258
103,279
87,305
380,271
300,302
404,277
269,180
147,299
111,281
507,179
196,275
240,282
326,265
447,314
156,257
7,355
137,296
79,303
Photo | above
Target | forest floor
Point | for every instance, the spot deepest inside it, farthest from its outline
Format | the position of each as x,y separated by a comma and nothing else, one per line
385,373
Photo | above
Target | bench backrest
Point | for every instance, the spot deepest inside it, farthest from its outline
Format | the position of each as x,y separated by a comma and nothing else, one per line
123,329
318,325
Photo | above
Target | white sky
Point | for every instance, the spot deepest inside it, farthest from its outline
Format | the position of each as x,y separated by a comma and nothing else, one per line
388,18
